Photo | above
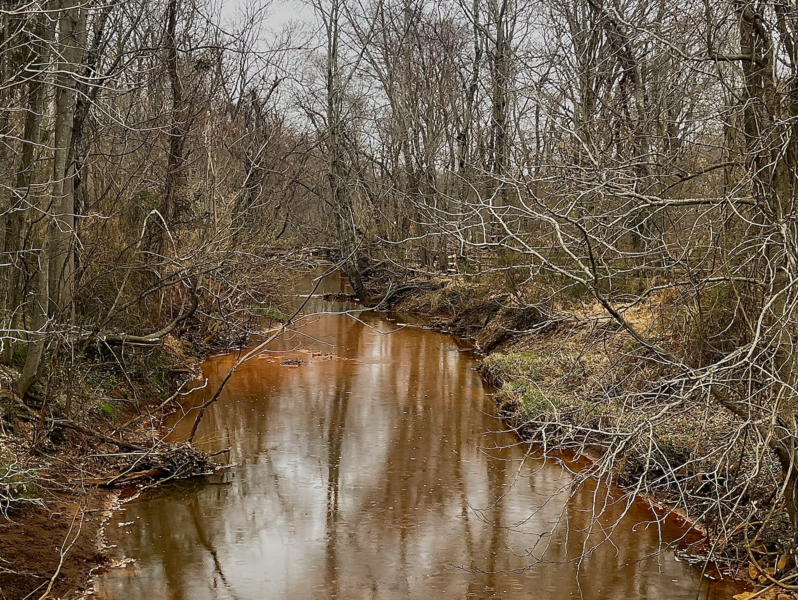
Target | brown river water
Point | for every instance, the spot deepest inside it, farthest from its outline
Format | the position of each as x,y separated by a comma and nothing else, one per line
374,470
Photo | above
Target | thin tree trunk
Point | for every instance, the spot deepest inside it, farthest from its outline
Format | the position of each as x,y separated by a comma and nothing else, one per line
338,169
175,168
71,38
38,334
17,219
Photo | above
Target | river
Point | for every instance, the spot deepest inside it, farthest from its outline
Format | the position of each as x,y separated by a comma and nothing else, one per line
368,465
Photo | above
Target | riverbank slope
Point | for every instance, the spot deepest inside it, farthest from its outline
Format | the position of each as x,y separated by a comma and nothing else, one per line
60,473
570,379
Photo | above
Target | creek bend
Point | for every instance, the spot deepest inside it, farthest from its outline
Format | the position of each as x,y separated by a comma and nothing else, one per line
369,466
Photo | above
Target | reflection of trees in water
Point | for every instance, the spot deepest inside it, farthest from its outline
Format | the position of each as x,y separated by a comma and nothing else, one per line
205,541
174,529
597,540
335,439
407,437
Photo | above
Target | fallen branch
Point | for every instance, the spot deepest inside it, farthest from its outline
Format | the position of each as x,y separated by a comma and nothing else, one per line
68,424
156,337
96,434
169,462
127,479
63,553
251,354
421,286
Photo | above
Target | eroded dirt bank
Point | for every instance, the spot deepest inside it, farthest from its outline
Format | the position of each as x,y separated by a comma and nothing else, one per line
60,475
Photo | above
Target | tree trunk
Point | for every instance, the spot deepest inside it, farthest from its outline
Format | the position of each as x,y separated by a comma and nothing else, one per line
173,200
339,171
17,219
38,327
71,40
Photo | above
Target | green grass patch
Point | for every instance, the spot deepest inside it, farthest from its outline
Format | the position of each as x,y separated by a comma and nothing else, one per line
270,312
107,409
514,365
534,403
526,401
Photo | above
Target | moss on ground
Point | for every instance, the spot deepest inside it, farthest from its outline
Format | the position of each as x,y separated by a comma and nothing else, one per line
18,486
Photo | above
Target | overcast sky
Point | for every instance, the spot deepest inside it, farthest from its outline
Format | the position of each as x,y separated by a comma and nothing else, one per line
279,12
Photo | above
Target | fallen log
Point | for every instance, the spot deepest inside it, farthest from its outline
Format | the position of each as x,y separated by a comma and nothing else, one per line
68,424
125,445
417,286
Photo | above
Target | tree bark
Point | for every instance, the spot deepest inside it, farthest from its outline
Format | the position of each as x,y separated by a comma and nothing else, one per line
173,200
71,40
38,335
17,219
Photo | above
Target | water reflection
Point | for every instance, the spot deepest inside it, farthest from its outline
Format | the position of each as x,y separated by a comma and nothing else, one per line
371,473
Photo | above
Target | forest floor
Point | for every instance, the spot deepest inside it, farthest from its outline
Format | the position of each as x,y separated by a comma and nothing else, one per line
572,369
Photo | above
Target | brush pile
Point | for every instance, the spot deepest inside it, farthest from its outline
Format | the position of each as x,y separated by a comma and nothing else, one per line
174,461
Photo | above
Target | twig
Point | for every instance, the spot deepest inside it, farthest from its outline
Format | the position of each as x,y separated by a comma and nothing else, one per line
251,354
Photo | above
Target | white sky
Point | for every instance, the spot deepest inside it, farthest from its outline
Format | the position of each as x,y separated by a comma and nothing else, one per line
279,13
283,12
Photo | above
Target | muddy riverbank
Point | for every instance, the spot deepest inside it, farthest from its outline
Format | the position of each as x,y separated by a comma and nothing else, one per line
59,477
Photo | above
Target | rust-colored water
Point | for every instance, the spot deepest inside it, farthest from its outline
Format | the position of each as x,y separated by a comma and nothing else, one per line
377,472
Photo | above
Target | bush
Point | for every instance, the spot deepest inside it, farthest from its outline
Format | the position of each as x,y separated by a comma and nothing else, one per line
99,382
152,367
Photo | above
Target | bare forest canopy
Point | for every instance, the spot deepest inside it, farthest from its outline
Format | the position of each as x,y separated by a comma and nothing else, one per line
166,159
